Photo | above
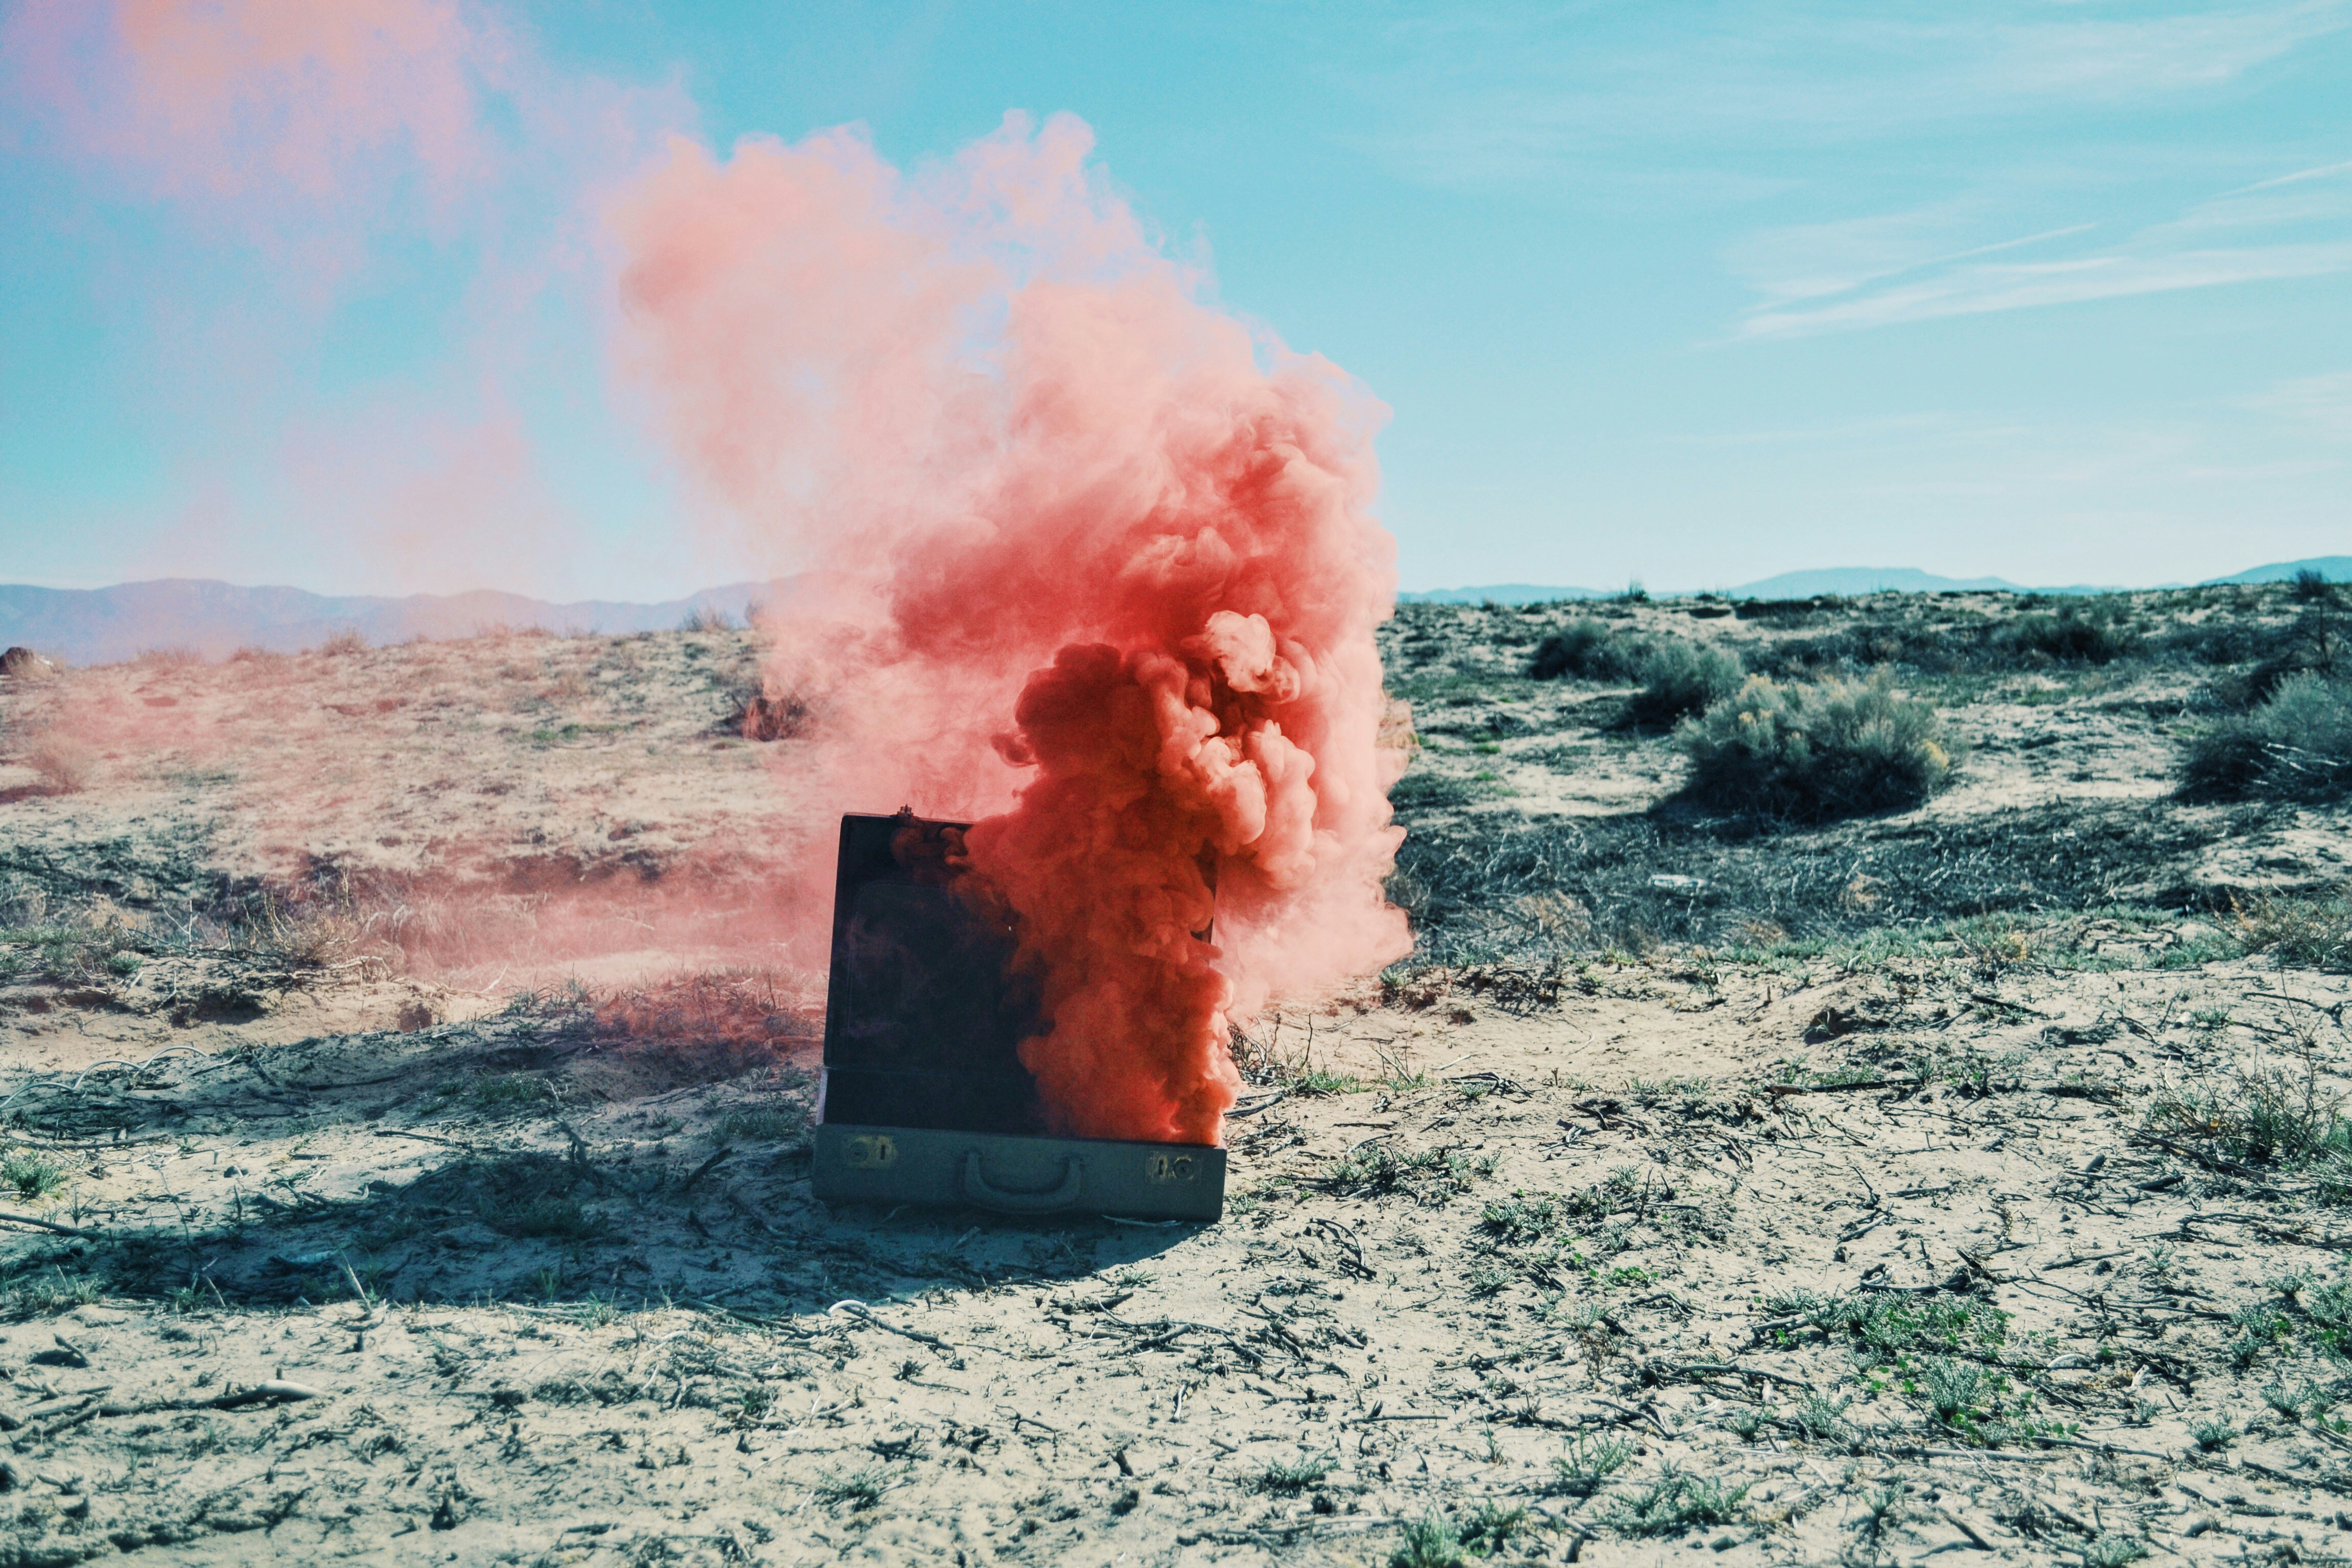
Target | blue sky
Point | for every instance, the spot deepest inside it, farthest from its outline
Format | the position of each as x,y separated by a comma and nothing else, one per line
1692,293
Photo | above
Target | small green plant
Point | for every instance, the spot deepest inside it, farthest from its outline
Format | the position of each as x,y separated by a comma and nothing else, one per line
1814,751
1522,1220
1376,1169
2327,1316
1955,1390
859,1490
2258,1329
762,1125
1488,1527
1884,1325
32,1176
1589,1462
1674,1503
1823,1420
1316,1082
2311,1401
509,1088
1288,1480
1429,1542
2111,1551
2213,1435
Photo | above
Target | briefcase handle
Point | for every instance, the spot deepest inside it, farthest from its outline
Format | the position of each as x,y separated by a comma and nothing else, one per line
976,1190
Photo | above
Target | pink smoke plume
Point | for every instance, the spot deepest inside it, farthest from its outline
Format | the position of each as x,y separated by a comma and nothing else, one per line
316,150
1098,567
318,100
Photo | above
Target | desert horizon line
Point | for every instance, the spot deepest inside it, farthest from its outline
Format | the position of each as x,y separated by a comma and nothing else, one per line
1900,579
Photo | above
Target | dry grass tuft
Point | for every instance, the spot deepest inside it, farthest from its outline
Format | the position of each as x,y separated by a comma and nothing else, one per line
66,766
2263,1116
2307,934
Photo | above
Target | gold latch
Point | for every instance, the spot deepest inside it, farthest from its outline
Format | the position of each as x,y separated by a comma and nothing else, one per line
871,1151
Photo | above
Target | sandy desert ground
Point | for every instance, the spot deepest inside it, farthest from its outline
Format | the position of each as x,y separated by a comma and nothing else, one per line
1965,1183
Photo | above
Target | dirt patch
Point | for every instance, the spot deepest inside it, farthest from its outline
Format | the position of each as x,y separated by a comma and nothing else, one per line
1969,1181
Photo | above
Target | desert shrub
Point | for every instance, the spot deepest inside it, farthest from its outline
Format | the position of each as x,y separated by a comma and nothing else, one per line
705,620
1788,609
1919,645
1587,650
2075,635
2309,585
2316,644
66,766
347,641
1430,792
2296,744
1837,748
2309,933
1678,680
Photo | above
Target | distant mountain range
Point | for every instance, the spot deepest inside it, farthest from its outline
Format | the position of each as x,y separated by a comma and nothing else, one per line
103,625
1845,580
2334,568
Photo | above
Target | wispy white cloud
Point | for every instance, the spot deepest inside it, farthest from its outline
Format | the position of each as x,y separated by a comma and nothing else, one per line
2151,55
1508,95
1979,289
2324,401
1817,261
1910,265
2325,171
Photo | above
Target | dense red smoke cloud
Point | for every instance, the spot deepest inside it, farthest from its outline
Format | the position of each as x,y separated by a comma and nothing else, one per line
1100,568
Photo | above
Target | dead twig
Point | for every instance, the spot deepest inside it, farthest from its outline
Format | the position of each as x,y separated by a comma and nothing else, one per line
865,1314
13,1217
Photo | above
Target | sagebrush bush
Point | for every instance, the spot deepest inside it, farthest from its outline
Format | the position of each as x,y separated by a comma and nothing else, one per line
2074,636
2294,745
1810,750
1678,680
2317,644
1588,651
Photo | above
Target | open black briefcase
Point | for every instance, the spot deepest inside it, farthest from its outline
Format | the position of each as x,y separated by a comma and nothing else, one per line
924,1099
